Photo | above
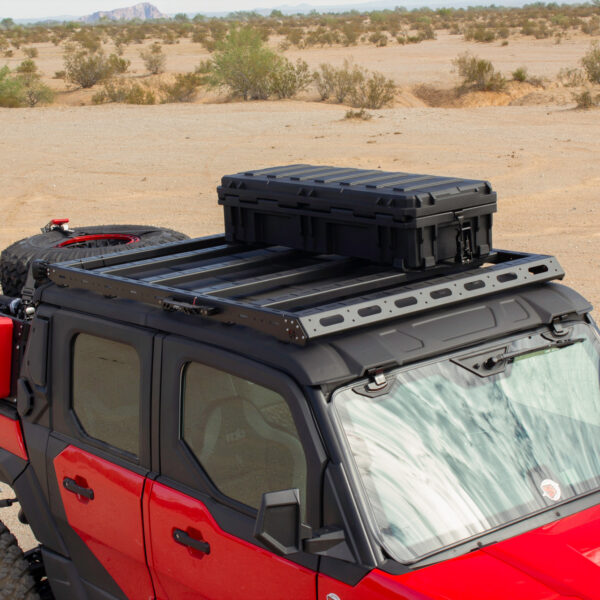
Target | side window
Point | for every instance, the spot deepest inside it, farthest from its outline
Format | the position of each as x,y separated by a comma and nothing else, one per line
106,391
242,434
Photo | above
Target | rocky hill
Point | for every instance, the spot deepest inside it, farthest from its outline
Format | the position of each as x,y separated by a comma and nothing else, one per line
142,11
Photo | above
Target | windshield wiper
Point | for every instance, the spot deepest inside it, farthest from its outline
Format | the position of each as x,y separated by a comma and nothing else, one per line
507,357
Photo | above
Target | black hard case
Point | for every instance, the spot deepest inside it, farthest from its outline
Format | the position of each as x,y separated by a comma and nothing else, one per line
408,220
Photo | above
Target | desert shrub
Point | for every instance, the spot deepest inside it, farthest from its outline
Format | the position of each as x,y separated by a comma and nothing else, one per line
357,115
478,73
426,32
287,79
11,90
27,67
8,54
571,77
591,63
378,38
296,37
35,92
183,89
154,59
374,91
31,52
24,88
351,32
325,81
520,74
86,68
585,100
124,92
119,65
59,74
243,64
479,34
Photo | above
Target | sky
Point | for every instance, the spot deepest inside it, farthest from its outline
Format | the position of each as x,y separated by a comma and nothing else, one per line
31,9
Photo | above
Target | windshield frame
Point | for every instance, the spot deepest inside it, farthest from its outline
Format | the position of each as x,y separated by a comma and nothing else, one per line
522,524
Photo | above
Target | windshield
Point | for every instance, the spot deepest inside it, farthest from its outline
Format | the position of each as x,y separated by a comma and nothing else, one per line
446,455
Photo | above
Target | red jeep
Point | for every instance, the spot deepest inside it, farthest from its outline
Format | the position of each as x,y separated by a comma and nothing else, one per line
382,407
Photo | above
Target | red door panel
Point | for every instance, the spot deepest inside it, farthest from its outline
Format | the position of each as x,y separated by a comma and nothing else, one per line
110,523
234,569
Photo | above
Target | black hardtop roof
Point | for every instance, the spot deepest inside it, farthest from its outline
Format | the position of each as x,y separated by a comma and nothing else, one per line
348,355
383,190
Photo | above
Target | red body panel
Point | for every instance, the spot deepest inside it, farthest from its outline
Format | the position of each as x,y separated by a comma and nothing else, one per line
111,524
558,561
233,570
11,437
6,333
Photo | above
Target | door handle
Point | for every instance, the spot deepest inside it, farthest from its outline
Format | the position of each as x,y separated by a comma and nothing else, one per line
181,537
71,486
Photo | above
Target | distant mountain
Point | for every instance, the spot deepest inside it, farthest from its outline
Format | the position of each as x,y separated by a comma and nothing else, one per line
143,11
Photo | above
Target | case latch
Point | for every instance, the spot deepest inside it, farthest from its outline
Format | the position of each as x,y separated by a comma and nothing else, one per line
464,240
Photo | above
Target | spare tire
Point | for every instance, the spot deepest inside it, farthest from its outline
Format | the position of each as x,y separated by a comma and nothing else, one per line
79,242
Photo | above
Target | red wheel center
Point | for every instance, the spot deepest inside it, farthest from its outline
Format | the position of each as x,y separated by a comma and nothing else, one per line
99,240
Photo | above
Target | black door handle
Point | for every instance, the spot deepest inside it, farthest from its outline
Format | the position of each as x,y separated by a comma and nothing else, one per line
71,486
181,537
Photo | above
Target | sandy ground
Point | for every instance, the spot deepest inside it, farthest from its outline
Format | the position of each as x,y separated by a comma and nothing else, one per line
160,164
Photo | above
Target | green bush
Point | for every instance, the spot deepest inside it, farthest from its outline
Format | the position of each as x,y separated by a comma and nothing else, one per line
11,90
358,115
35,92
591,63
125,93
183,89
378,38
520,74
24,88
154,59
479,34
287,79
374,91
118,65
325,80
478,73
571,77
585,100
31,52
86,68
243,64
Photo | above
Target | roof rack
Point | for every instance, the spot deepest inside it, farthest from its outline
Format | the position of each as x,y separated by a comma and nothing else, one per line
289,294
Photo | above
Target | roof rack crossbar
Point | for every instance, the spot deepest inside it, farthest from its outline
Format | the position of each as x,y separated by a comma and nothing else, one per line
262,284
148,254
132,268
231,264
336,291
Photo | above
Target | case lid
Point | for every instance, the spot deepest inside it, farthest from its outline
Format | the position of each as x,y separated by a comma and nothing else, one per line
363,191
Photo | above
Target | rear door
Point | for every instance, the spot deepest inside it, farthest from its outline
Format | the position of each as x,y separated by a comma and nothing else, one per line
99,450
230,431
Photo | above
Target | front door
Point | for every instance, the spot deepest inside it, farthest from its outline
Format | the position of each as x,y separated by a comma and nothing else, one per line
98,455
230,431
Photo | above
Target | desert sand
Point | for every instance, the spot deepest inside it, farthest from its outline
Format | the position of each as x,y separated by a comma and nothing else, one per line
160,164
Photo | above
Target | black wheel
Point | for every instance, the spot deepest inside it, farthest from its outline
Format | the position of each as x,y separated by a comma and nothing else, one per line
79,242
16,581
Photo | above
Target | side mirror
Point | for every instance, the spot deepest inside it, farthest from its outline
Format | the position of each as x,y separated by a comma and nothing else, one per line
279,526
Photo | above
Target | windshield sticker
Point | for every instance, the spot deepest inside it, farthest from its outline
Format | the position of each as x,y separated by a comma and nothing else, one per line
551,490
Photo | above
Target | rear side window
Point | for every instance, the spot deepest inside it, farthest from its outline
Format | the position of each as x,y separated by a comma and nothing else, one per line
242,434
106,391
